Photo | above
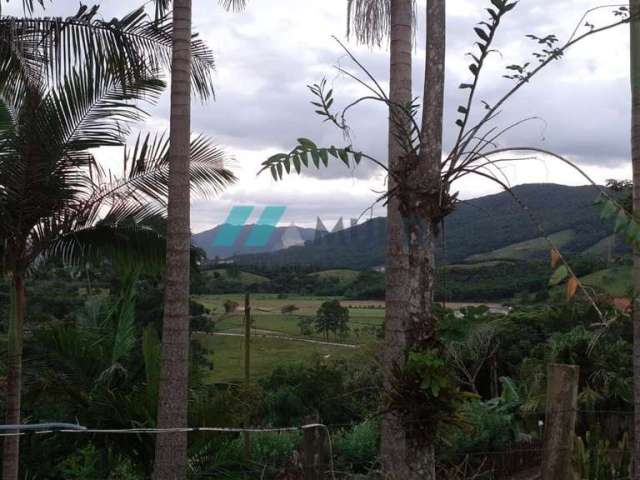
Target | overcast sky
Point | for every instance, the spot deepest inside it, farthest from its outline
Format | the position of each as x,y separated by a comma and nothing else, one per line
267,55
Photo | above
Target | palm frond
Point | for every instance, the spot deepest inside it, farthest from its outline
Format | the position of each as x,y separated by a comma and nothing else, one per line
130,47
370,20
146,176
124,244
235,5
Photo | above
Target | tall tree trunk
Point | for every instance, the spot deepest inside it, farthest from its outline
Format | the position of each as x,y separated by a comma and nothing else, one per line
426,213
171,448
11,451
393,441
635,160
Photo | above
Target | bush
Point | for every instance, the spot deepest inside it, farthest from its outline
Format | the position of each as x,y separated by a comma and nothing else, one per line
356,450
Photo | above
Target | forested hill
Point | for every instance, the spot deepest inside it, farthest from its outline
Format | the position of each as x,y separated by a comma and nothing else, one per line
482,229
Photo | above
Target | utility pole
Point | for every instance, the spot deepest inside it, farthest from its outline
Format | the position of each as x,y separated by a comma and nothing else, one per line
247,364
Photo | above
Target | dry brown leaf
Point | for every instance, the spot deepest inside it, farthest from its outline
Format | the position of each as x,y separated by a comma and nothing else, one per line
572,287
555,257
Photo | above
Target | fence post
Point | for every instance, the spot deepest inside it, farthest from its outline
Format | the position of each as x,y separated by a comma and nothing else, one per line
314,452
247,365
560,422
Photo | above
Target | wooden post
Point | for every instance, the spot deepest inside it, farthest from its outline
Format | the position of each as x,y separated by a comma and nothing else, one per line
247,365
315,458
562,404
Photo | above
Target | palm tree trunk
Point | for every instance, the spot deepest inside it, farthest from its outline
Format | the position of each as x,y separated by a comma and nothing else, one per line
393,441
422,233
635,160
11,451
171,448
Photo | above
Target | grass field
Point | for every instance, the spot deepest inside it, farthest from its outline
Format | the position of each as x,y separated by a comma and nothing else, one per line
344,276
526,250
245,278
226,352
615,280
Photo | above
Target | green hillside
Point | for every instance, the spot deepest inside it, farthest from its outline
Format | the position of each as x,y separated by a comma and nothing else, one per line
615,280
528,249
494,226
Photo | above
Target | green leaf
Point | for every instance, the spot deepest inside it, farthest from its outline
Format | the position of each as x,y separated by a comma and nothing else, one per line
315,157
632,234
561,273
324,156
482,34
465,85
303,158
357,157
296,163
608,210
462,110
308,144
473,68
274,173
279,167
344,156
460,123
622,221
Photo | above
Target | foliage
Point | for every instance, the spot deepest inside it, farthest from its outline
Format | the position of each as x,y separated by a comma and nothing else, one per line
356,450
289,309
230,306
595,459
336,391
88,462
332,317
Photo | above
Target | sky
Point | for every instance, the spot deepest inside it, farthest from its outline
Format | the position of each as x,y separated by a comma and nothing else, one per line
267,55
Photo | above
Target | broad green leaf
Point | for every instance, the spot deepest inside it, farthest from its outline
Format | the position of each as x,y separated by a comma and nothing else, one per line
561,273
622,221
324,156
344,156
608,210
306,143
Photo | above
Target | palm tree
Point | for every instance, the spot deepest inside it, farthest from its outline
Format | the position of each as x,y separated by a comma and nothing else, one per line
56,200
635,160
38,53
372,21
171,448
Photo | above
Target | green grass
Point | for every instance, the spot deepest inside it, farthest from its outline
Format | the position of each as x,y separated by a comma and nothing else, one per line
266,354
245,278
615,280
603,248
344,276
526,250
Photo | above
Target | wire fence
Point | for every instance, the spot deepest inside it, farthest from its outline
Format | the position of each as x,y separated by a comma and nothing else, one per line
481,463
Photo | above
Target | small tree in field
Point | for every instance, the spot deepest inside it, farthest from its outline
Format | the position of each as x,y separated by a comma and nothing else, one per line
332,317
230,306
289,309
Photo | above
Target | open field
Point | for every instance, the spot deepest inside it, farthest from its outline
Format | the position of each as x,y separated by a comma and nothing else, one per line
527,249
268,349
615,280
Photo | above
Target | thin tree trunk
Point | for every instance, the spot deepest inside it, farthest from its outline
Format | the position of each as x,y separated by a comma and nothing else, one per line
11,451
425,216
171,448
393,441
635,160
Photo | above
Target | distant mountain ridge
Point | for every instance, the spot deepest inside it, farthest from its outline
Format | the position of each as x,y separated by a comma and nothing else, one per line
282,237
492,227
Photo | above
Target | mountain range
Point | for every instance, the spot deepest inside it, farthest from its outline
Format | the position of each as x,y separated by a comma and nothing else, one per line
489,228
